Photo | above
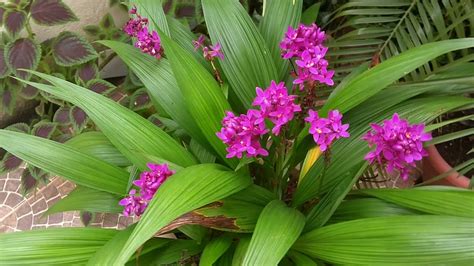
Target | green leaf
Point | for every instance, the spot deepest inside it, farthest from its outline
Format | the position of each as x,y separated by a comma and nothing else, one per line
277,16
176,251
323,211
247,61
277,229
188,189
369,83
238,212
310,14
203,96
116,242
65,161
70,49
451,136
87,199
214,250
160,83
353,209
52,246
435,200
417,240
347,153
195,232
126,130
240,251
183,36
300,259
96,144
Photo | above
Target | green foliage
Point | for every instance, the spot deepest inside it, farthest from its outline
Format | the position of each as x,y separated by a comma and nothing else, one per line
249,211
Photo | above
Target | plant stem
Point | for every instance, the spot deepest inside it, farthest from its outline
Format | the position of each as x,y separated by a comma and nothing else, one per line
217,75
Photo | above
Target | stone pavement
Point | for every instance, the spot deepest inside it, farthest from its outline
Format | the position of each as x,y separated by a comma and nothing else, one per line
18,213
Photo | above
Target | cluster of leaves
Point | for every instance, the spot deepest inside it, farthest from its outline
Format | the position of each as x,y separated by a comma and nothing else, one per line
221,211
68,56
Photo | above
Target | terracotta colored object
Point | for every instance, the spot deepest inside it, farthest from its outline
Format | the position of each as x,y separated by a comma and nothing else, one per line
434,165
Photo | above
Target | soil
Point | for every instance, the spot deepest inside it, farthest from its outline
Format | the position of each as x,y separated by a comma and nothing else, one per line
456,151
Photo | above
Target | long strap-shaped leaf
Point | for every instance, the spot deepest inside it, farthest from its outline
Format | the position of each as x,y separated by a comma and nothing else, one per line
87,199
160,83
128,131
435,200
183,192
414,240
96,144
247,61
277,229
52,246
370,82
214,250
277,16
350,152
204,98
65,161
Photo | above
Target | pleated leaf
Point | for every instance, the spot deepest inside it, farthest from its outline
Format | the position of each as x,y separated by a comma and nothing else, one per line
416,240
126,130
435,200
203,96
87,199
160,83
183,192
247,61
65,161
354,209
96,144
277,229
214,250
52,246
174,253
348,153
369,82
238,212
277,16
114,243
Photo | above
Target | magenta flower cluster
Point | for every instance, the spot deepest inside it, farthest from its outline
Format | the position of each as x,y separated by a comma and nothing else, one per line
149,43
276,105
326,130
305,45
209,52
148,183
398,145
242,133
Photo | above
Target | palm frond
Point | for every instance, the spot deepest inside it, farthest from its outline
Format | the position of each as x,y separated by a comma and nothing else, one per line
367,30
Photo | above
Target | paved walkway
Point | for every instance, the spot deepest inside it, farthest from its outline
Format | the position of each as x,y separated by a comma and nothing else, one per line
19,213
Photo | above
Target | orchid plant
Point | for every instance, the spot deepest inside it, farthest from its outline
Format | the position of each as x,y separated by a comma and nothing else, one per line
264,169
